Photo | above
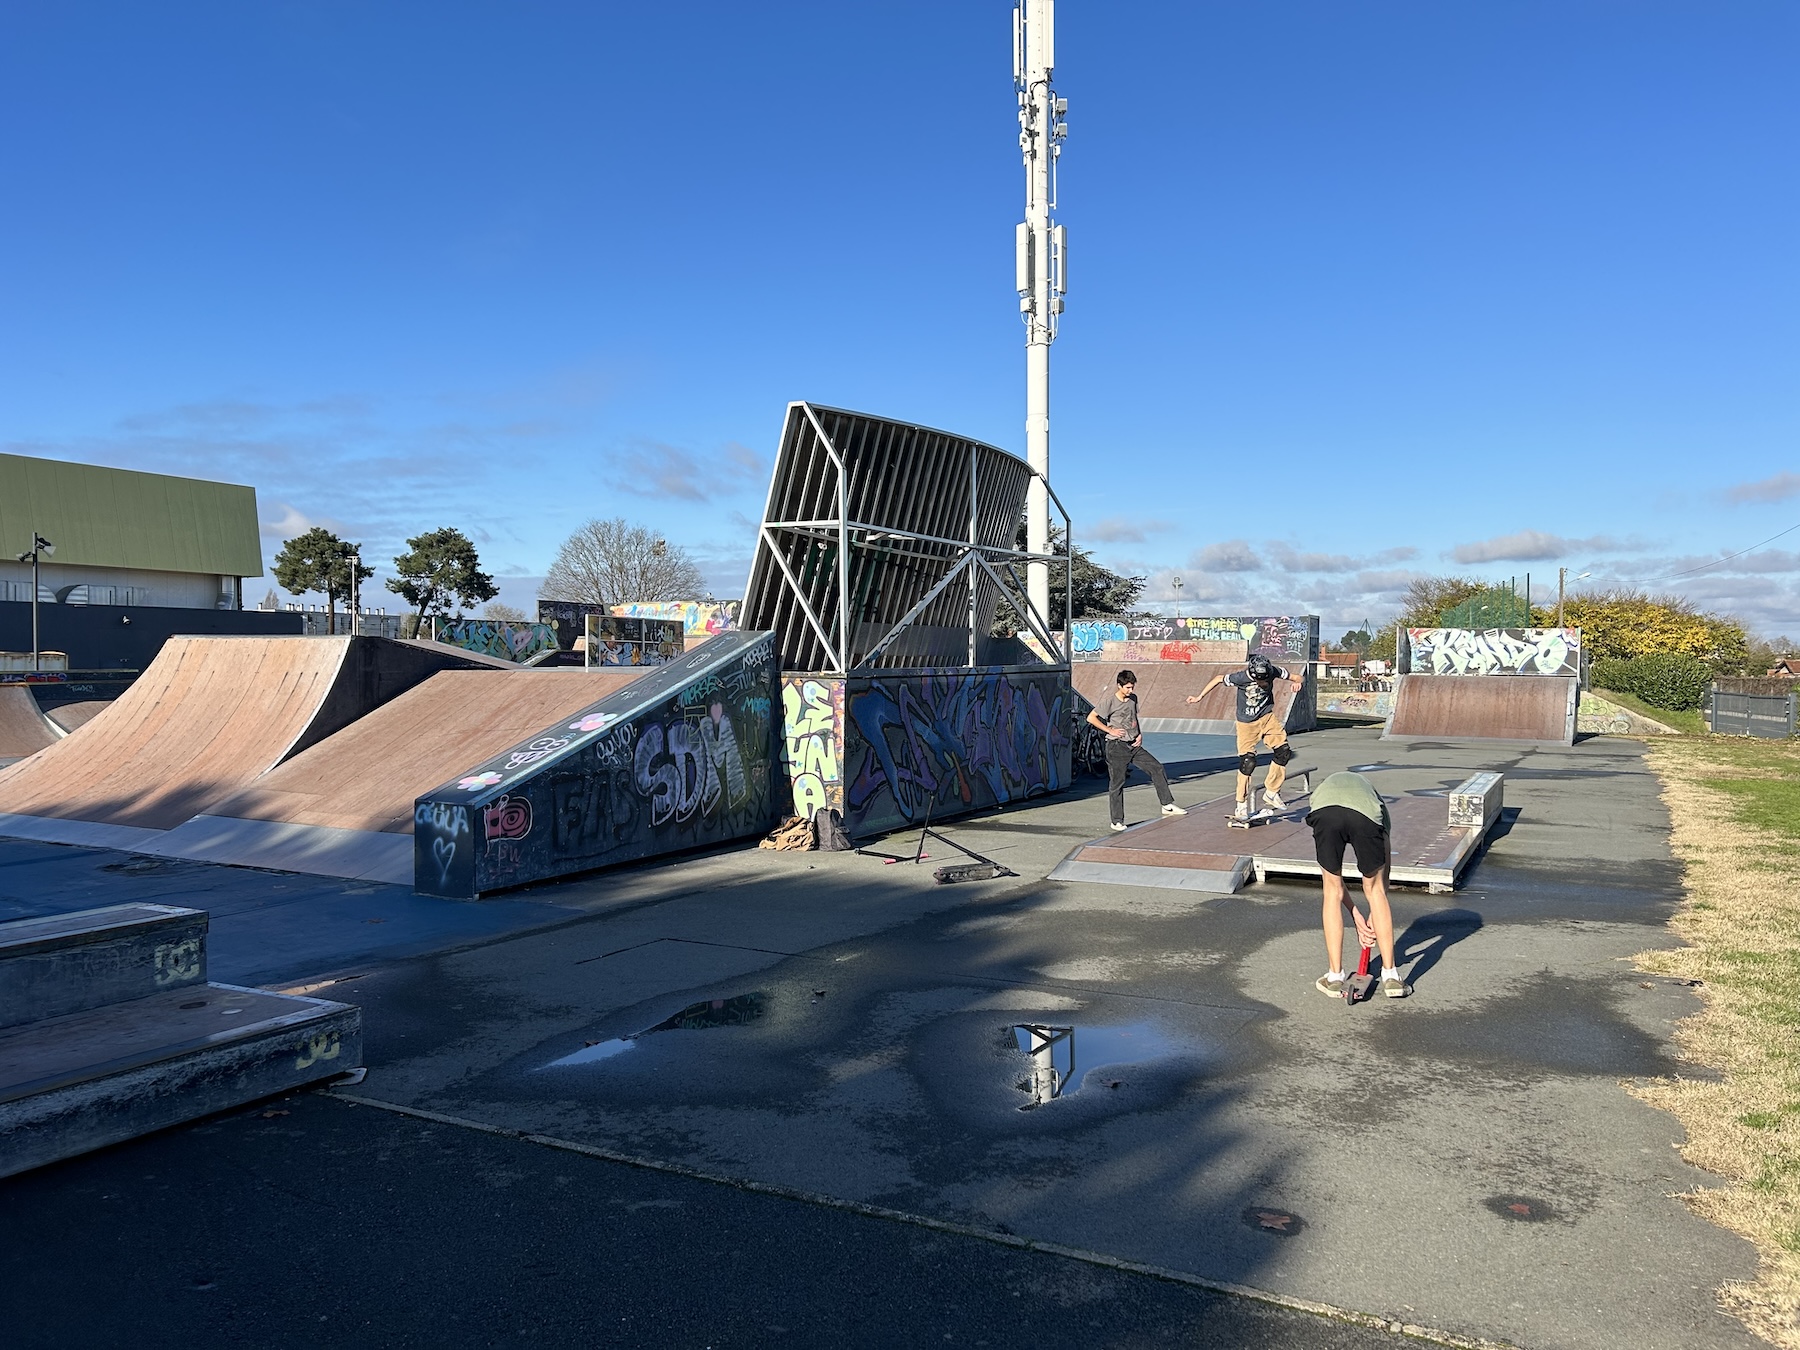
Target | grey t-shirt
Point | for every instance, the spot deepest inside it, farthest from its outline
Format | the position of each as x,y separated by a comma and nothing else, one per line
1351,790
1255,700
1121,714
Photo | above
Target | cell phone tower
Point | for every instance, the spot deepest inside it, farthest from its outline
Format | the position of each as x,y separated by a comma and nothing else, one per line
1040,264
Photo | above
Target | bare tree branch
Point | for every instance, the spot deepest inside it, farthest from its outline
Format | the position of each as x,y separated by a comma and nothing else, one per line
612,562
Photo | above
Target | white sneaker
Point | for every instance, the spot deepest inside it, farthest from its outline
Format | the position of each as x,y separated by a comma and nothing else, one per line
1393,985
1173,810
1117,826
1272,802
1243,810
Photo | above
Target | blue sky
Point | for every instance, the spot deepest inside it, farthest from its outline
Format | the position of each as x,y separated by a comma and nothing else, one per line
1358,291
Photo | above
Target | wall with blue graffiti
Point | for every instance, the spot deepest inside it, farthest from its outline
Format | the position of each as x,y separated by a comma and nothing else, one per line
496,637
945,742
686,756
1295,636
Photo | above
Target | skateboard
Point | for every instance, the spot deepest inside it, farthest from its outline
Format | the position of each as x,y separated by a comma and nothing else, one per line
1267,814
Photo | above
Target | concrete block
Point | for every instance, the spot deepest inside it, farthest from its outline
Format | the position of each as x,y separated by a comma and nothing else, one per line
67,963
72,1084
1477,800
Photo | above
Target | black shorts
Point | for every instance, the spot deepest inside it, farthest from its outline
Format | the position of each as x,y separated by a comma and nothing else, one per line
1337,827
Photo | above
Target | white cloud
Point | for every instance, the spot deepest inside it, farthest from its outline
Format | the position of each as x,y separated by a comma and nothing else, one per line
656,469
1537,546
1234,555
1779,488
1117,530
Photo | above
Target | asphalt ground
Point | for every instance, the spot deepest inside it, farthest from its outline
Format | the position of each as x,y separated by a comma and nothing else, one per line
1464,1160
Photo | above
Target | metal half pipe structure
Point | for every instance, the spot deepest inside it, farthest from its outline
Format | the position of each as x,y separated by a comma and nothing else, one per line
209,716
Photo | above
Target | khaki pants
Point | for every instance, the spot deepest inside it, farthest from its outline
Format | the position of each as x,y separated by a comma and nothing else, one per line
1269,731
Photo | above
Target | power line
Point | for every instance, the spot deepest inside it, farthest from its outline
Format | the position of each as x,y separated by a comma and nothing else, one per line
1715,562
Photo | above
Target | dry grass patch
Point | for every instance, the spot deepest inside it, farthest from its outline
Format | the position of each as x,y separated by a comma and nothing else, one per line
1735,807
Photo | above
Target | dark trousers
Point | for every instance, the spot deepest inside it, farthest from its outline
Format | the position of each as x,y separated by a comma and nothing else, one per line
1120,756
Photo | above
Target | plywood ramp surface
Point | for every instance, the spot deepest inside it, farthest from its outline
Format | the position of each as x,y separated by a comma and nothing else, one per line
1533,708
23,730
368,775
207,717
69,716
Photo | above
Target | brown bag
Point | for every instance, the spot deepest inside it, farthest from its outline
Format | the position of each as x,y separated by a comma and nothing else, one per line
793,835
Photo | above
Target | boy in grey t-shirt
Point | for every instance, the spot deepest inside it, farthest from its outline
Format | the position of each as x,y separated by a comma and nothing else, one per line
1117,715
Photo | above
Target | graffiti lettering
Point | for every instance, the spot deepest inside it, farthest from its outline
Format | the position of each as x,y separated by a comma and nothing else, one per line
698,618
320,1045
492,637
955,739
1495,651
1087,637
812,749
541,748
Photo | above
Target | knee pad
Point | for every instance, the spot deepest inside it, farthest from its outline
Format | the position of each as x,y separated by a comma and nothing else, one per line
1247,764
1282,754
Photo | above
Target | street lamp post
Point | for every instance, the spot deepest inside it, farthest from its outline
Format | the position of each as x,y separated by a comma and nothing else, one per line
1561,575
39,544
1176,583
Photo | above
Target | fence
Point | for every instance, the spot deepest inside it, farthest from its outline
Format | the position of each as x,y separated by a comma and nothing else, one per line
1729,713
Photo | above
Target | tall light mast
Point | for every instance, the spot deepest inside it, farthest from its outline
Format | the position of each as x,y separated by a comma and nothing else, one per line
1040,262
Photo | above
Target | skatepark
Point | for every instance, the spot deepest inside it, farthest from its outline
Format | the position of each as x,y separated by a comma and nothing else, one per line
1219,1122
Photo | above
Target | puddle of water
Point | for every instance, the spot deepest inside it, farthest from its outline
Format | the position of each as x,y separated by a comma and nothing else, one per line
1062,1057
716,1012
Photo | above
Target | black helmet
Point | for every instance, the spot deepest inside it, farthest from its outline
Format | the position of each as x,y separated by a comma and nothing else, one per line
1260,667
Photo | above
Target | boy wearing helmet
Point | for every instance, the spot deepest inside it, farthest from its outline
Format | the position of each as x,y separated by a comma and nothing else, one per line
1257,720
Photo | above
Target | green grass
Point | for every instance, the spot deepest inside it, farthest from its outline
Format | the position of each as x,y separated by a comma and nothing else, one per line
1771,803
1693,721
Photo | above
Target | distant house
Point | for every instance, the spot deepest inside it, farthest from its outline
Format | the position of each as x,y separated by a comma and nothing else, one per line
1787,668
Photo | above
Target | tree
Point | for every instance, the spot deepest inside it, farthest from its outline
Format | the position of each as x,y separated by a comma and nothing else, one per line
1093,589
1623,624
442,566
612,562
504,613
319,561
1356,640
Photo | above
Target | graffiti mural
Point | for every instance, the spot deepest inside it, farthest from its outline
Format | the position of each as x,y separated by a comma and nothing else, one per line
813,745
1194,639
1495,651
1087,636
683,757
494,637
699,618
610,641
952,741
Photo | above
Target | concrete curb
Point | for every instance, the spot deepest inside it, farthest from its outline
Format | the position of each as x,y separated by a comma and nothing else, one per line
1370,1321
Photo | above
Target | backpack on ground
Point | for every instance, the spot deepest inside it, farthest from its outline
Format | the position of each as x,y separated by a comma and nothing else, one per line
828,832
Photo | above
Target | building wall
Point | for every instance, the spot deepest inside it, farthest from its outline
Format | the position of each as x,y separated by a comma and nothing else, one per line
167,590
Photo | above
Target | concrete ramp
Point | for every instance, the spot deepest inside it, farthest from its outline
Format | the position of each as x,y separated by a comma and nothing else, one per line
345,807
682,757
1163,688
24,730
1519,709
207,718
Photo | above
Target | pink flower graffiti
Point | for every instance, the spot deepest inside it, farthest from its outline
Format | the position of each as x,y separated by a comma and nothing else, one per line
594,722
478,780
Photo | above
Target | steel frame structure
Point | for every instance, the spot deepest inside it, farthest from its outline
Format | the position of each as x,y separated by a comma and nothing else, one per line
856,550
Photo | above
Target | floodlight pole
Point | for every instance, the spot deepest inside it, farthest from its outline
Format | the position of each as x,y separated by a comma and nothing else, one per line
1040,268
39,544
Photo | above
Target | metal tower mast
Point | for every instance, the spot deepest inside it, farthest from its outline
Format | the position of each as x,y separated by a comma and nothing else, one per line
1040,262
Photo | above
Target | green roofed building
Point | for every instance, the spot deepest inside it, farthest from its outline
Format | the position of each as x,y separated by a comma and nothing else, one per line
145,540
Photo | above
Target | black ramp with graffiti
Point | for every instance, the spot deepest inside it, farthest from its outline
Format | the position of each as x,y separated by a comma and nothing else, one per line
684,757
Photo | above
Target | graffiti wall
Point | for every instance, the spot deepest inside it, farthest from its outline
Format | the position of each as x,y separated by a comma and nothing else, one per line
495,637
1494,651
684,757
568,618
813,742
610,641
951,741
1294,637
699,618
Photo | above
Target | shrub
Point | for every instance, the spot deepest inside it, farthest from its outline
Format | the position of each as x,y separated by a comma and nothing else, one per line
1663,680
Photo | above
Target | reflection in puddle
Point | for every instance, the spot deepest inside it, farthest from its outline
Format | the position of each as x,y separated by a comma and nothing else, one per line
717,1012
1056,1053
